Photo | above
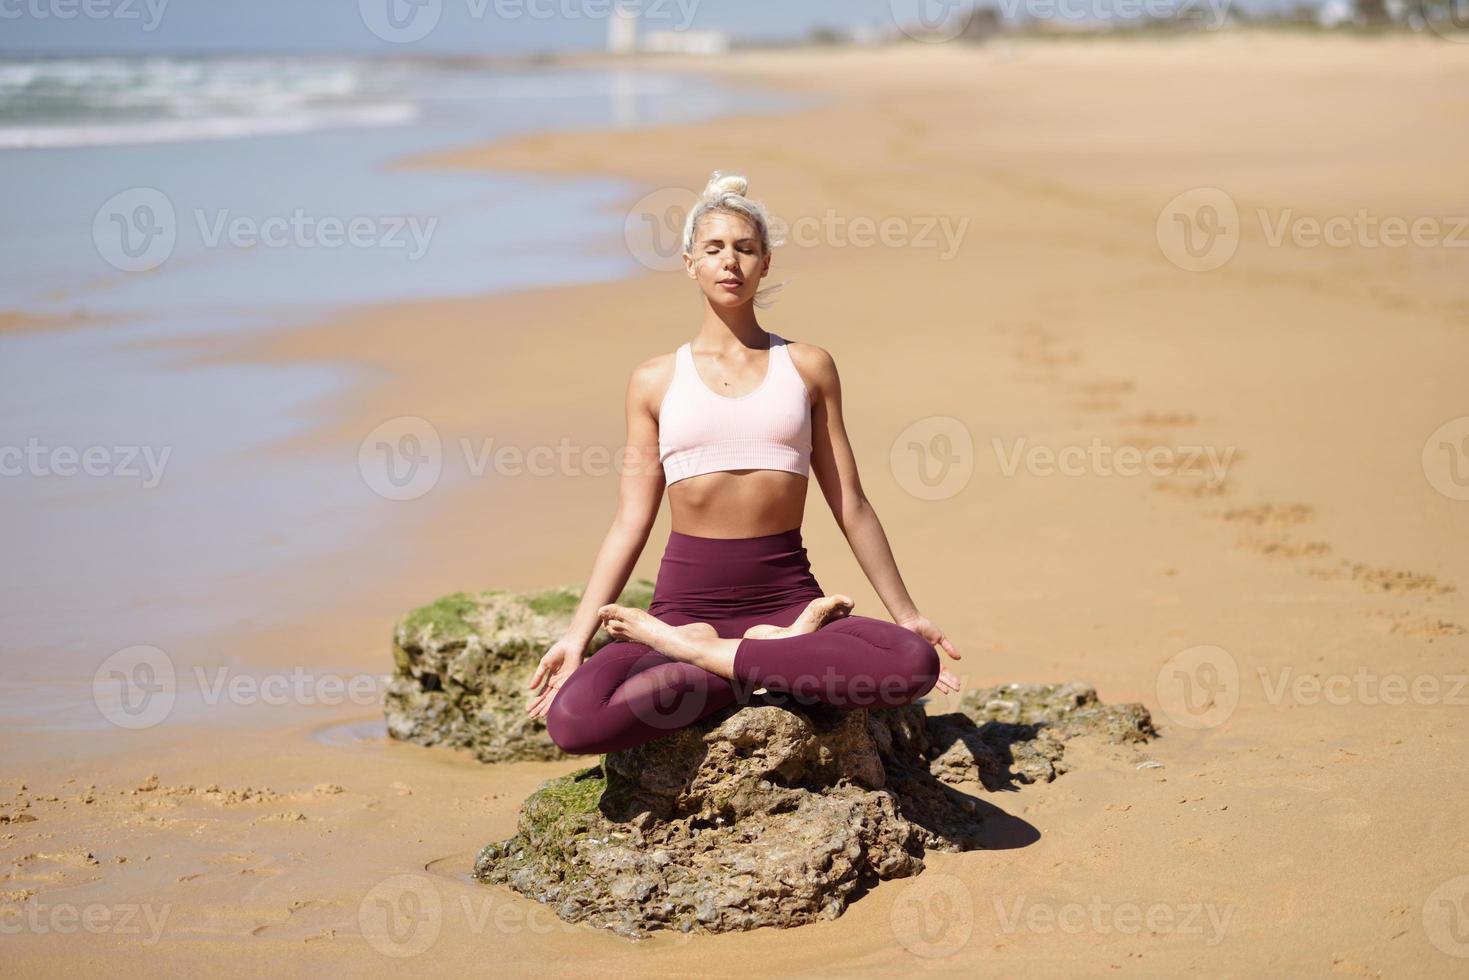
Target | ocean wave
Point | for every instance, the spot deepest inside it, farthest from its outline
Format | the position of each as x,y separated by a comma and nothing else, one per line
216,127
111,100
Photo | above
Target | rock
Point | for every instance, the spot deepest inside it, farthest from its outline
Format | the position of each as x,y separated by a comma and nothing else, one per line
463,663
755,816
1071,709
771,813
777,814
1019,731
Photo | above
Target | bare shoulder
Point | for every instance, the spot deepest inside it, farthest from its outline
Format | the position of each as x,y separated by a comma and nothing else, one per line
650,379
815,363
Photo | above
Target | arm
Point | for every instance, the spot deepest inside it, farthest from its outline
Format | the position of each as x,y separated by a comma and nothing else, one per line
640,491
835,466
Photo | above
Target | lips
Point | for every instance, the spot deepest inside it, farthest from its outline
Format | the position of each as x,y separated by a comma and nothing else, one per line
731,282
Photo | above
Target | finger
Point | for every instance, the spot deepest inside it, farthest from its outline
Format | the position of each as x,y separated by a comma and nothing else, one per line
948,647
535,678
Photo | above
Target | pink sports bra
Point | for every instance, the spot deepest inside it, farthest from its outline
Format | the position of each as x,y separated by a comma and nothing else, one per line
700,431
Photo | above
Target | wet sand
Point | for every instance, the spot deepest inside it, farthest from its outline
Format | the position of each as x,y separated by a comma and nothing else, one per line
1314,826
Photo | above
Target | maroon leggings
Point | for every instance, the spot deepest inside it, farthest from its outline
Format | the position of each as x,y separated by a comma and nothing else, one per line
627,693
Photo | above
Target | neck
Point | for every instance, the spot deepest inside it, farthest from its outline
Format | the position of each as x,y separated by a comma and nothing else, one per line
726,329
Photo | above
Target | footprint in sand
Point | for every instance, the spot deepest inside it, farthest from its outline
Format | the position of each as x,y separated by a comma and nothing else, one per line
1165,420
309,919
51,868
1388,580
1100,396
1099,389
1269,515
1414,625
1282,546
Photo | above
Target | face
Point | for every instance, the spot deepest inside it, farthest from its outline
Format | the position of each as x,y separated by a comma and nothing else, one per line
727,260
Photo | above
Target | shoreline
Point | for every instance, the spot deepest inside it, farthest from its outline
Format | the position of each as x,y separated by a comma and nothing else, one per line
1060,322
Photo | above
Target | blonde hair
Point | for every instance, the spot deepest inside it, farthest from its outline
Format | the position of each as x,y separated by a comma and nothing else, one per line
726,193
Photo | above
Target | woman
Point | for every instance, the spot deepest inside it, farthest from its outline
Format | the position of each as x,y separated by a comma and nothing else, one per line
735,608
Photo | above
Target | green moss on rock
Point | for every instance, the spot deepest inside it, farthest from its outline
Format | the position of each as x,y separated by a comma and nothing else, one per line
446,618
463,665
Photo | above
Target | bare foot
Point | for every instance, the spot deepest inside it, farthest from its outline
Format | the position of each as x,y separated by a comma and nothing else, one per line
686,643
817,614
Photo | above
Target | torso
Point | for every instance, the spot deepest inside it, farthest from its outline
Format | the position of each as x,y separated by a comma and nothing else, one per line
735,503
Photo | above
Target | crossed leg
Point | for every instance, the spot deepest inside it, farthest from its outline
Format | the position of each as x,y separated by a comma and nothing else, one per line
630,693
848,661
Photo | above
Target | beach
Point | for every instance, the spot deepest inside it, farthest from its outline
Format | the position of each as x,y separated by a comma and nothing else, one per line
1145,383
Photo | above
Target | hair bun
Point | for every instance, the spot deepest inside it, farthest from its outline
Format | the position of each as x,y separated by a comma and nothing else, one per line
720,184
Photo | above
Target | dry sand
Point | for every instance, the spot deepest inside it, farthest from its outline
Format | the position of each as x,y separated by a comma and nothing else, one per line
1301,831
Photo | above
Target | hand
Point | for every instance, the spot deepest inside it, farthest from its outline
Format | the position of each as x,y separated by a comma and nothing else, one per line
559,663
925,627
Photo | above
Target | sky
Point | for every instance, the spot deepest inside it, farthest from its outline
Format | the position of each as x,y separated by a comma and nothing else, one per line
493,26
458,26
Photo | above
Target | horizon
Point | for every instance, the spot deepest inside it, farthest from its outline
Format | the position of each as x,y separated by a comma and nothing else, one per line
468,28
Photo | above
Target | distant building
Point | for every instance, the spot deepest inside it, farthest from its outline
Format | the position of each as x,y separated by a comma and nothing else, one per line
686,42
622,30
866,35
1335,13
